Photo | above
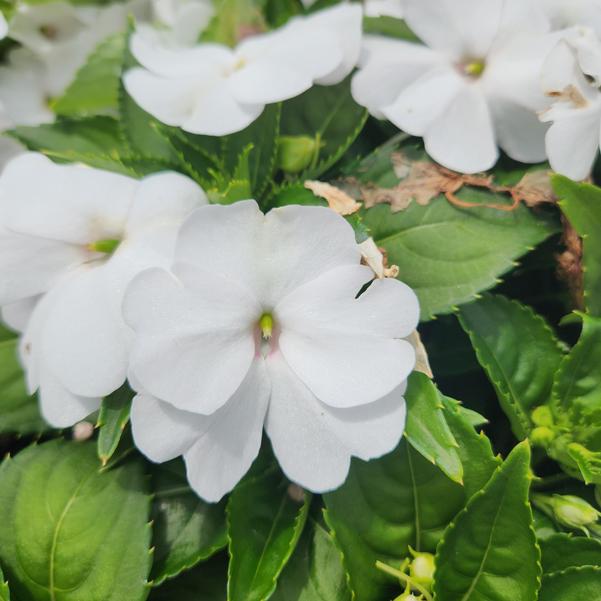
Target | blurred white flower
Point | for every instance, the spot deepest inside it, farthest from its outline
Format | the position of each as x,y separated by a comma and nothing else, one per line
215,90
566,13
258,325
384,8
571,78
181,21
474,85
71,238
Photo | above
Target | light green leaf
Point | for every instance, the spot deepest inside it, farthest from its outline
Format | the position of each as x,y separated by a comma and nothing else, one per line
4,591
261,504
334,125
112,419
489,552
389,26
518,351
205,582
427,429
588,462
294,194
581,204
95,89
573,584
562,551
315,571
384,506
186,529
70,531
18,411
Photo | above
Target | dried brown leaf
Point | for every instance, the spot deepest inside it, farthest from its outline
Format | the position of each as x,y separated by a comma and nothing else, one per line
338,200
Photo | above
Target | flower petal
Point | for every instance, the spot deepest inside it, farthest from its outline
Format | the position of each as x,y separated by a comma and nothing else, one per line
17,315
313,442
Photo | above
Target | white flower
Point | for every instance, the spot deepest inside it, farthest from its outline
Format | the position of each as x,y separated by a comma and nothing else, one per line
215,90
475,86
71,238
257,325
566,13
384,8
182,21
571,77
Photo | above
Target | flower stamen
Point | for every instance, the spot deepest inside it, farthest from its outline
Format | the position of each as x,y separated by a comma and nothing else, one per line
266,325
474,68
107,246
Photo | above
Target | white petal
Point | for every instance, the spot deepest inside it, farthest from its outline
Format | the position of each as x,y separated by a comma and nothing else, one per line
192,349
95,201
313,442
17,315
461,28
230,439
463,138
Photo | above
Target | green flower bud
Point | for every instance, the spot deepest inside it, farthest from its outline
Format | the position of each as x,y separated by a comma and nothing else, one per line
408,596
295,153
569,511
542,416
542,436
421,569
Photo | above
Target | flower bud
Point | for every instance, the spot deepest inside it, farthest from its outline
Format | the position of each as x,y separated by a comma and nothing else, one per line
542,436
421,569
295,153
542,416
408,596
569,510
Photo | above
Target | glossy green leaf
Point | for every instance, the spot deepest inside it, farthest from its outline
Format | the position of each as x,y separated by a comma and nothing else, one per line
581,204
112,419
294,194
186,530
426,428
18,411
335,125
315,571
4,590
573,584
95,89
562,551
384,506
205,582
489,552
71,531
265,522
518,351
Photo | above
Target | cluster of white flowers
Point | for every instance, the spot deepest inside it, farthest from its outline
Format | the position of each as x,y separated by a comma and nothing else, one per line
235,321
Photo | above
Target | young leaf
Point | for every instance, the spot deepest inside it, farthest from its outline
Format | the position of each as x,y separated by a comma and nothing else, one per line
581,204
489,552
573,584
4,591
385,506
205,582
265,522
588,462
186,529
518,351
18,411
427,429
315,571
71,531
562,551
448,255
112,419
334,125
95,89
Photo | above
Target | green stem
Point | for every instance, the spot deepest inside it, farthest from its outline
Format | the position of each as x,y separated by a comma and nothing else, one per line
384,567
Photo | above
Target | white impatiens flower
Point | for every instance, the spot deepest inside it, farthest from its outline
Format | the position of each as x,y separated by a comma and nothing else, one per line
215,90
474,86
572,79
181,21
258,325
71,238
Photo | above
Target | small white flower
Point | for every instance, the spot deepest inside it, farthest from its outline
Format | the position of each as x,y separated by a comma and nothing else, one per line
215,90
384,8
473,87
571,77
71,238
258,325
566,13
182,21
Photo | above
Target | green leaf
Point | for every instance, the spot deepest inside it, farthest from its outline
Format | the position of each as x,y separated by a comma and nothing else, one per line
588,462
562,551
315,571
389,26
264,526
71,531
4,591
186,529
95,89
489,552
518,351
334,125
581,204
112,419
205,582
427,429
385,506
294,194
573,584
18,411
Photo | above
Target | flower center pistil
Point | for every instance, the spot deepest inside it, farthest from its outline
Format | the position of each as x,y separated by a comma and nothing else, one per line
107,246
474,68
266,325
